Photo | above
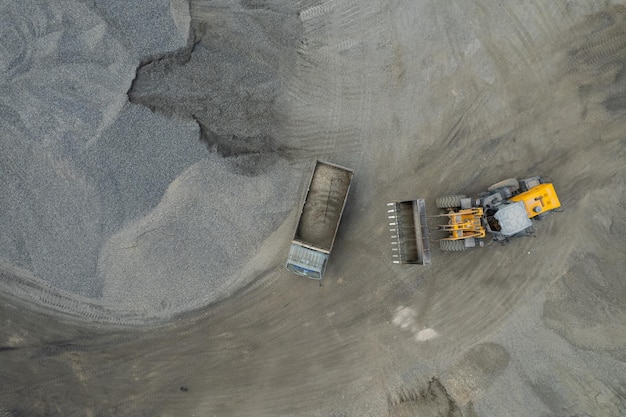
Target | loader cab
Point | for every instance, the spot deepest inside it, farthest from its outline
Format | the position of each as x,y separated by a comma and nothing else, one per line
507,220
512,219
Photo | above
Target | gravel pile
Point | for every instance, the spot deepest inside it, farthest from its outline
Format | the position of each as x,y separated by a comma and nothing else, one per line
87,174
188,249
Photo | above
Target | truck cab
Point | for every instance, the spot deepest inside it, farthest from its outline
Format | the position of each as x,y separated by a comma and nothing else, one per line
306,262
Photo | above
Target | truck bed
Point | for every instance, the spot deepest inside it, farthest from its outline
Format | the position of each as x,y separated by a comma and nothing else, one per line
323,205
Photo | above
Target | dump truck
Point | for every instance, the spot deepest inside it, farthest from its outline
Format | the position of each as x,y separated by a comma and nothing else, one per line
319,220
504,211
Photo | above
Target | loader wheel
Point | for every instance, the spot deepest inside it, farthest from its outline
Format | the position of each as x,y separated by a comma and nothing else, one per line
449,201
452,245
511,183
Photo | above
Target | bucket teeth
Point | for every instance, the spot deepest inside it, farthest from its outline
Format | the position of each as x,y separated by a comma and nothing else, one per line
409,232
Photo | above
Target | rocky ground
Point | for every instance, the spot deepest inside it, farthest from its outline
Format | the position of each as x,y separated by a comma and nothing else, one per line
154,156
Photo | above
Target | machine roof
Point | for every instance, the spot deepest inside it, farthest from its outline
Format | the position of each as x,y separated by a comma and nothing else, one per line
512,218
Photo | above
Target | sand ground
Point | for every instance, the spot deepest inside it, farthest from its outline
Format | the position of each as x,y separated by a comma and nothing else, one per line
154,158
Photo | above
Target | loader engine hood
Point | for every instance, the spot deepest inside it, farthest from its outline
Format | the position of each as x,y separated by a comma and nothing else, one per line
512,219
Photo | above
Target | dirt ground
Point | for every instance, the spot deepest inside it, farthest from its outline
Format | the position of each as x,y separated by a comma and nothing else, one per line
420,98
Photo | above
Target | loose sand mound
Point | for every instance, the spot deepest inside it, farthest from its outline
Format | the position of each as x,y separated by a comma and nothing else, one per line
188,250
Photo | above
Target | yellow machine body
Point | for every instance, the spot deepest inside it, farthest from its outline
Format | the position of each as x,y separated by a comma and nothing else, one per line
464,224
539,199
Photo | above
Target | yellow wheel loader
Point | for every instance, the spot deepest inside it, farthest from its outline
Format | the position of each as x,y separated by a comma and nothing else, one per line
504,211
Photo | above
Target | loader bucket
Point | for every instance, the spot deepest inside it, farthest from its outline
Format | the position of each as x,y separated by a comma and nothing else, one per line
409,232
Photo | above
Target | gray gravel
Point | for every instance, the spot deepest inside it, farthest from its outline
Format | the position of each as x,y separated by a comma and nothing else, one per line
64,82
86,171
146,28
189,249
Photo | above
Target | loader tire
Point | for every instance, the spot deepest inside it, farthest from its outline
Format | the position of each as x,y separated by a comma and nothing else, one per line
449,201
452,245
511,183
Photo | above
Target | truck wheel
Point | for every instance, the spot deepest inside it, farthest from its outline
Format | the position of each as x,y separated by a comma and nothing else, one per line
452,245
449,201
511,183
